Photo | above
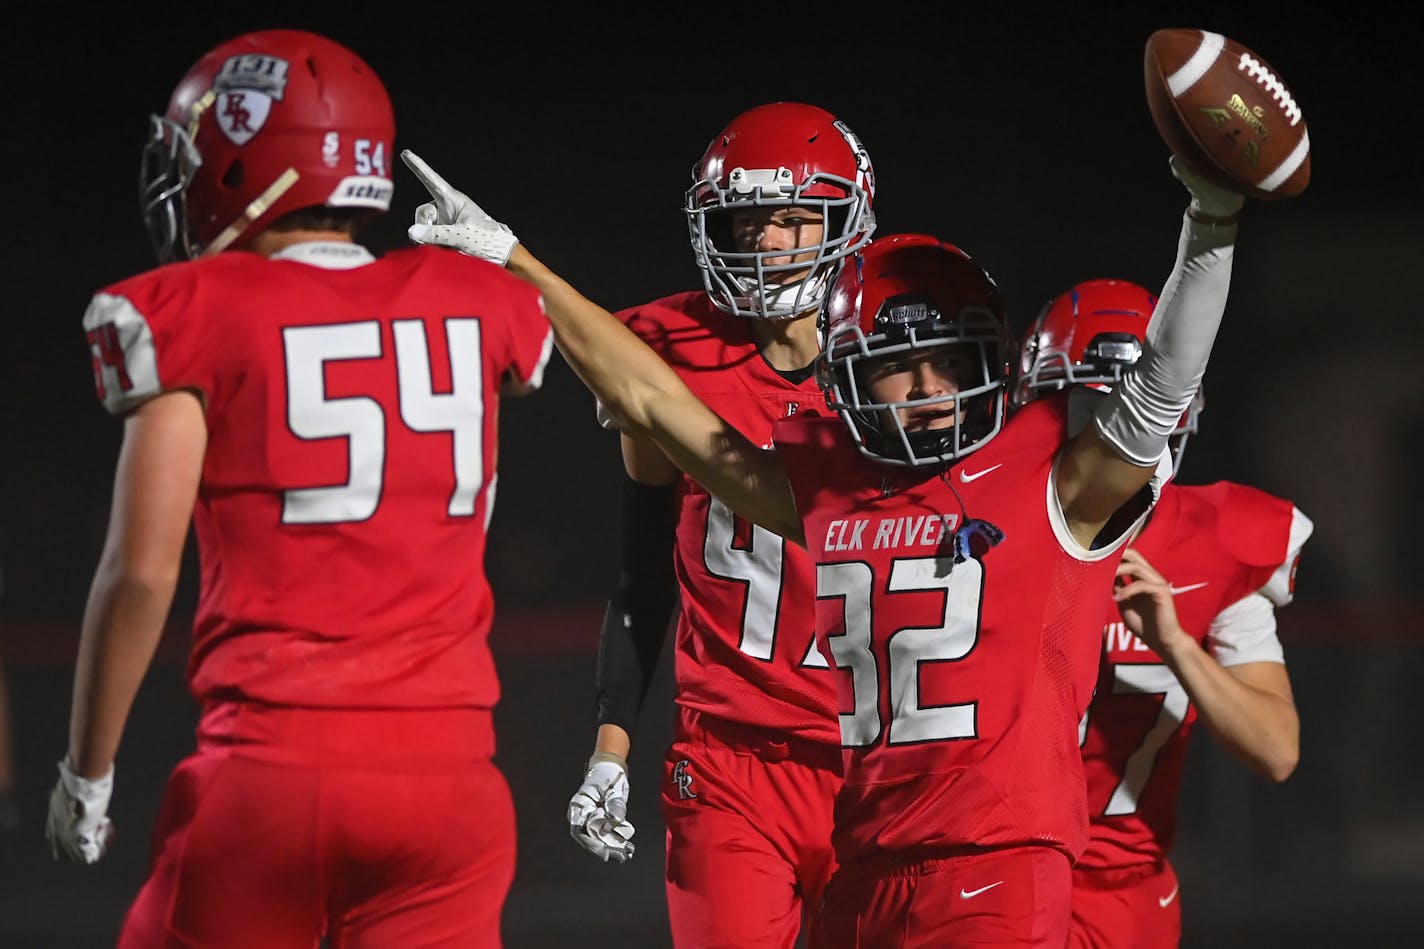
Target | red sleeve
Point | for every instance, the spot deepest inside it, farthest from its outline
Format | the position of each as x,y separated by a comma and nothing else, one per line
803,456
144,339
530,337
662,324
1264,533
689,334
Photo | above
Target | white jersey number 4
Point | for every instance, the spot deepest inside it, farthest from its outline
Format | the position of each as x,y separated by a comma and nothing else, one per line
759,566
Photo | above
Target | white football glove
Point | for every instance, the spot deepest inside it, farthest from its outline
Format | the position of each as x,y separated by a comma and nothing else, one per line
453,220
598,810
78,826
1208,200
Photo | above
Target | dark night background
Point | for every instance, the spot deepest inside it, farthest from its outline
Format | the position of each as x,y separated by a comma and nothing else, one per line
1024,139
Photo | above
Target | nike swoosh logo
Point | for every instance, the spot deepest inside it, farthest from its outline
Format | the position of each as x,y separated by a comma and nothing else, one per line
1188,588
1165,901
970,894
965,477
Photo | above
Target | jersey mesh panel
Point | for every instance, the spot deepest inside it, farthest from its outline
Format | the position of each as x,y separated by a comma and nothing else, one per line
1053,702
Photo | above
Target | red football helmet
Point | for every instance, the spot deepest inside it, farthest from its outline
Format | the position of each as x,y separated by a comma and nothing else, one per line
782,154
1090,335
262,125
912,292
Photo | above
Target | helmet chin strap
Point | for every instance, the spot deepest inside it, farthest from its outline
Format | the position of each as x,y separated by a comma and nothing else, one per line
252,212
808,290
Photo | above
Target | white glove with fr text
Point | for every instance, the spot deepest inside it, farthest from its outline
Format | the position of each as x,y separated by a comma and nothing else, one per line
78,827
453,220
1208,200
598,811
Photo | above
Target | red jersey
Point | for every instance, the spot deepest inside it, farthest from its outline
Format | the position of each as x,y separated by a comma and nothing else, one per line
1229,552
960,684
745,643
351,408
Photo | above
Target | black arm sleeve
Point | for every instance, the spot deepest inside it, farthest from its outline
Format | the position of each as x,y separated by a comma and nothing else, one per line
636,621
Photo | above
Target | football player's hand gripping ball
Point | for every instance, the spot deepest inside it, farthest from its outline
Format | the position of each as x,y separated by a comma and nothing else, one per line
1209,201
598,811
78,827
453,220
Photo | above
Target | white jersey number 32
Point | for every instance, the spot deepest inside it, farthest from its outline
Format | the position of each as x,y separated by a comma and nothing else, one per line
951,637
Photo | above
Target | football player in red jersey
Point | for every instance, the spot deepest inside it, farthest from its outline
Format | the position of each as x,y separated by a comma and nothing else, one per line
952,554
1196,639
780,195
326,421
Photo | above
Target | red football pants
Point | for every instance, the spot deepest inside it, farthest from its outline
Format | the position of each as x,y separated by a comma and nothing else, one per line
1013,897
748,815
1137,907
376,829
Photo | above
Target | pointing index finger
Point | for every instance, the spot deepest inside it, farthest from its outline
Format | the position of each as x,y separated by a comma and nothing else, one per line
436,185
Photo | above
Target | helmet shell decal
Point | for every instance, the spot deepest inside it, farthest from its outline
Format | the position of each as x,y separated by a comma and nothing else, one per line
245,89
331,149
865,171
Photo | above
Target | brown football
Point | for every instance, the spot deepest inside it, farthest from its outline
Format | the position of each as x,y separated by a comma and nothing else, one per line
1225,112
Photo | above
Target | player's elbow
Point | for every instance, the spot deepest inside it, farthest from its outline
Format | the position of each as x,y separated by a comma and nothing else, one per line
1282,763
153,584
138,574
640,405
1277,756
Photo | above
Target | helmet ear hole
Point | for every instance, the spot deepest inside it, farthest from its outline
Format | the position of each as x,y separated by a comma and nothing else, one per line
233,177
719,231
